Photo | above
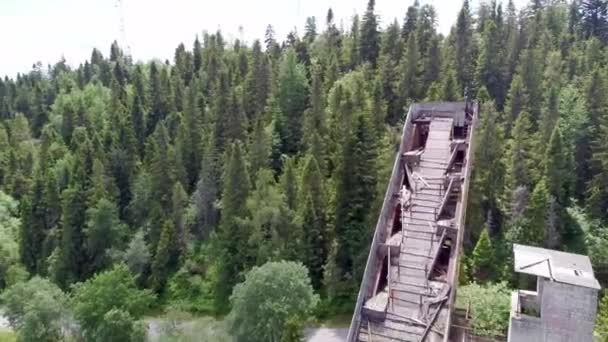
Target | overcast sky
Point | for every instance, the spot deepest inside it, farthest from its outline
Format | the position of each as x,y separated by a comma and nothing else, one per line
44,30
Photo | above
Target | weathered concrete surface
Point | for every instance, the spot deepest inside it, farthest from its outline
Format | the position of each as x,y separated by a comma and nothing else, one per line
326,334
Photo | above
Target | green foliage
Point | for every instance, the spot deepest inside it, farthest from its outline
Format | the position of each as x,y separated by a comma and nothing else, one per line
483,259
490,306
9,228
233,238
270,296
36,309
109,303
601,323
163,165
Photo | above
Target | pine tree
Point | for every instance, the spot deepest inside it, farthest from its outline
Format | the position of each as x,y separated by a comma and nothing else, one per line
369,46
289,183
197,52
355,189
179,201
207,190
530,69
535,216
259,150
449,87
71,257
103,232
33,228
520,159
557,172
489,65
487,178
313,214
409,23
314,117
598,187
192,127
483,259
595,18
164,256
291,99
407,87
257,83
158,108
463,47
232,239
310,30
138,116
273,232
161,167
516,101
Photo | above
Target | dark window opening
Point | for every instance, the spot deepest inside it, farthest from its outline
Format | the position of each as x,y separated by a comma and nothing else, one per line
396,220
421,134
383,281
460,132
440,271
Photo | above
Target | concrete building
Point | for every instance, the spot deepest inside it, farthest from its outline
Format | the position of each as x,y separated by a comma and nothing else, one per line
564,305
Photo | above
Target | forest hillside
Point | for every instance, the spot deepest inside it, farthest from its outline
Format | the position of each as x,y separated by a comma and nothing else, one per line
175,178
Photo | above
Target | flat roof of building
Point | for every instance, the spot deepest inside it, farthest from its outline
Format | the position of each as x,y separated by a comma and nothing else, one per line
568,268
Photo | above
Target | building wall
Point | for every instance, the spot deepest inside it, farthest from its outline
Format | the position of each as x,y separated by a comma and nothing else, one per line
567,312
524,328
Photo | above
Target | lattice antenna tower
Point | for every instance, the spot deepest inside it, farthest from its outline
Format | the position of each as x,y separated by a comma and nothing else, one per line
121,27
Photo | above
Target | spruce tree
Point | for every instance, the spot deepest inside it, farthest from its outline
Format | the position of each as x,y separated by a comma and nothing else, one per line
289,183
71,258
232,238
369,46
259,150
409,23
516,101
356,185
164,256
207,190
463,47
483,259
292,101
557,171
313,215
409,69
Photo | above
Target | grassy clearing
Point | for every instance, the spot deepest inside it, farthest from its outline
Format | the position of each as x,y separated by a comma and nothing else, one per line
7,335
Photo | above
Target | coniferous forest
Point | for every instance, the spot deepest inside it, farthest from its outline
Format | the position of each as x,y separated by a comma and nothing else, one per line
129,187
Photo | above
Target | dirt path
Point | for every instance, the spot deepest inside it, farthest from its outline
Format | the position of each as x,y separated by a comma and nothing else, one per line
326,334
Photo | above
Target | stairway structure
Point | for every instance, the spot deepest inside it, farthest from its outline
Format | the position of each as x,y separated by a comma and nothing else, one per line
408,289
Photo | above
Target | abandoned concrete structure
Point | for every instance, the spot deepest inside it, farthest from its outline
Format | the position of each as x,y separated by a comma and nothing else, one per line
409,285
564,305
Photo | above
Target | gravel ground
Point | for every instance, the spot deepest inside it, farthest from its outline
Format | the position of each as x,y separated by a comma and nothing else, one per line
326,335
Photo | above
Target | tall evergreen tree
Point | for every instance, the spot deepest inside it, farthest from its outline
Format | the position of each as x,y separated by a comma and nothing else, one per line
292,101
233,239
409,23
463,47
369,46
355,187
313,215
